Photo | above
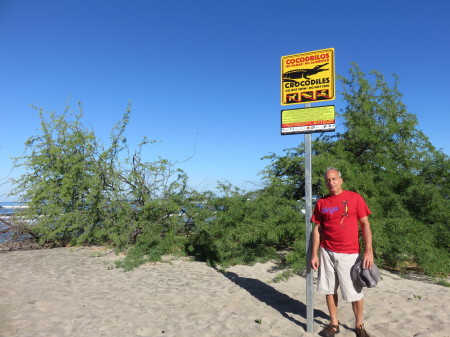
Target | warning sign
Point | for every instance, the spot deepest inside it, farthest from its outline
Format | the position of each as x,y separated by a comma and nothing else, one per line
308,77
308,120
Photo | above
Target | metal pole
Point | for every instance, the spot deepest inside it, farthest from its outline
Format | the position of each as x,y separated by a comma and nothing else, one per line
308,214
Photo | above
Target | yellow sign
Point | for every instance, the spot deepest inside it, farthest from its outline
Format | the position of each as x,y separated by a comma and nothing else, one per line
308,120
308,77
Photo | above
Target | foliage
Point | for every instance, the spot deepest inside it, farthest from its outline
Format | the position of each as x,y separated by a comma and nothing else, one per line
246,228
383,156
60,181
81,192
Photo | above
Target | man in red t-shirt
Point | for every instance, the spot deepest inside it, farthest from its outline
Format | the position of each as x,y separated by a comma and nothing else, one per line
336,232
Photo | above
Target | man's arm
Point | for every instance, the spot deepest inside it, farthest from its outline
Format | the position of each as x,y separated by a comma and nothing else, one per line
315,246
367,236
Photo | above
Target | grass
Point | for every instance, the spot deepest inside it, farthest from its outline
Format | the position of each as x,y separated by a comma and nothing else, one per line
283,276
442,282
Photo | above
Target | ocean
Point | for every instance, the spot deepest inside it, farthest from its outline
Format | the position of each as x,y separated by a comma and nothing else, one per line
7,210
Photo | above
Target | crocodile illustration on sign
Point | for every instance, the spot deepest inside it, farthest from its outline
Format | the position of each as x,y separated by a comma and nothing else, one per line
291,75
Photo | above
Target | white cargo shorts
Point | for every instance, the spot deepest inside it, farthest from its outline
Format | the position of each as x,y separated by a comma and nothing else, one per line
334,271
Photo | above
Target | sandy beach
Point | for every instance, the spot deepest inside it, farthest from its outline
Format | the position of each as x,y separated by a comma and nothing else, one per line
78,292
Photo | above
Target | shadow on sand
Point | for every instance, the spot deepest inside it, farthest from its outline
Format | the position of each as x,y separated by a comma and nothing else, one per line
272,297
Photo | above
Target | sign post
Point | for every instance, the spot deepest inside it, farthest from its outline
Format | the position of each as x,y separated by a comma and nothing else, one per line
305,78
308,231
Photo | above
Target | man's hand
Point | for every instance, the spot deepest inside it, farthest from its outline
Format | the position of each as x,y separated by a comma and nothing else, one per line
315,246
367,236
368,259
315,262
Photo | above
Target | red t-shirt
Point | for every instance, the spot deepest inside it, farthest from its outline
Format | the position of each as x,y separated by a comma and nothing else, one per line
339,215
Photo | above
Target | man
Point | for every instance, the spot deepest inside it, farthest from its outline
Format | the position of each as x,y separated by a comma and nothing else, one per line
336,232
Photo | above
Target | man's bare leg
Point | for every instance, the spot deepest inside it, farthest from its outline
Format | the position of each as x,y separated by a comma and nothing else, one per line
358,310
332,303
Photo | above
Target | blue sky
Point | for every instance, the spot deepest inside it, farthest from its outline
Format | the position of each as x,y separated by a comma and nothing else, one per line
205,75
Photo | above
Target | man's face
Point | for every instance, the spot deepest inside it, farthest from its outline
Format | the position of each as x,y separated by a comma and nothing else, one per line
333,182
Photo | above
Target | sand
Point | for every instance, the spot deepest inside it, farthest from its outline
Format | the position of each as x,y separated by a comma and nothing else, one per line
78,292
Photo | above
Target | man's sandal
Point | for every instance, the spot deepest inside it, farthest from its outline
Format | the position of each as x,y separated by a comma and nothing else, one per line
330,330
361,332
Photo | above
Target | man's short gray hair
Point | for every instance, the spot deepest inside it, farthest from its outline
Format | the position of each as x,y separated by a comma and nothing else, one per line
331,169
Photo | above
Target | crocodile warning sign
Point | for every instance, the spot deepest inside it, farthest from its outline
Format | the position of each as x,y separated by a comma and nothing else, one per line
308,77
